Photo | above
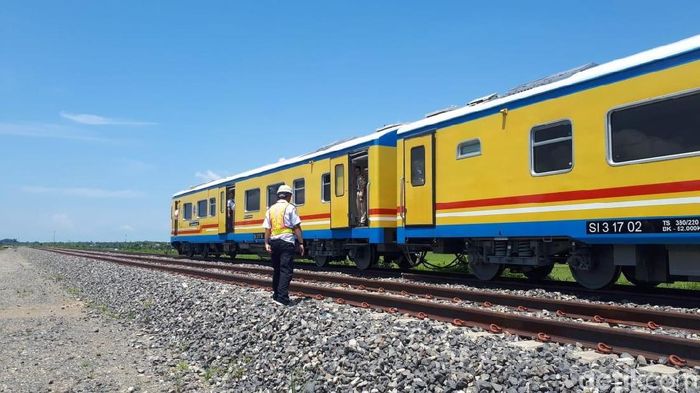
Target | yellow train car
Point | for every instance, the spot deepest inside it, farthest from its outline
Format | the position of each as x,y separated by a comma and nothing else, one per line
598,168
595,167
325,185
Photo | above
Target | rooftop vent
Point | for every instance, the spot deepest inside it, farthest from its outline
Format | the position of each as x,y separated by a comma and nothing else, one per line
437,112
482,99
550,79
328,146
387,126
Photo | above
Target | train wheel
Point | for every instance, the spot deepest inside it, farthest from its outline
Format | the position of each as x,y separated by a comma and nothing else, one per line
364,256
406,263
190,252
321,260
594,270
628,272
539,273
486,271
232,254
483,270
204,251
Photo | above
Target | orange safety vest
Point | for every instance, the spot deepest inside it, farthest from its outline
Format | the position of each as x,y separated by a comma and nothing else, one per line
276,214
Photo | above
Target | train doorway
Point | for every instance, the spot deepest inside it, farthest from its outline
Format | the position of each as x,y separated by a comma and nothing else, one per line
230,209
359,186
340,212
418,188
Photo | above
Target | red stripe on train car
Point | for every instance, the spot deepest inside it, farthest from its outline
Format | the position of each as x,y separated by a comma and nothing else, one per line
315,216
613,192
382,211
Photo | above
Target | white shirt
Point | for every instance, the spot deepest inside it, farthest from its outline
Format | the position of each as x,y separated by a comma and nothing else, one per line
291,219
230,204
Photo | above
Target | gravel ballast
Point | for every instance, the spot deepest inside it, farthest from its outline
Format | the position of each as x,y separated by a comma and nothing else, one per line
219,337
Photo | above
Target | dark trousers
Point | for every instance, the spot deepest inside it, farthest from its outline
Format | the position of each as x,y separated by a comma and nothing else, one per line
283,265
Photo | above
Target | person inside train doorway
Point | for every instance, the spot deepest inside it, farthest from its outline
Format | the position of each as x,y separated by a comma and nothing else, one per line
282,227
230,209
176,216
361,199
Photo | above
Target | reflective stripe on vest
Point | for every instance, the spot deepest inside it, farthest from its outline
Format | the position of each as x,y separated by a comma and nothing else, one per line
277,212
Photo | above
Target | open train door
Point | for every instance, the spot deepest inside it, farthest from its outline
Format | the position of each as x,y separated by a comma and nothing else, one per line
340,203
419,183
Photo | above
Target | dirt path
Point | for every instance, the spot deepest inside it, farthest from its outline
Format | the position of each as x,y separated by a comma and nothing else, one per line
49,342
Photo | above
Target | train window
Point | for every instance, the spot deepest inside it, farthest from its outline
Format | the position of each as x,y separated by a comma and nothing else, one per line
212,207
326,187
552,148
202,208
252,200
418,166
299,191
187,213
222,202
657,130
469,148
339,180
272,193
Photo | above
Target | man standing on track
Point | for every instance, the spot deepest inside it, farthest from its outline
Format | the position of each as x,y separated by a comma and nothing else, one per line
282,225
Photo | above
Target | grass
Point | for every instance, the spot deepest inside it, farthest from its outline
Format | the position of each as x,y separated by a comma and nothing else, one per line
560,272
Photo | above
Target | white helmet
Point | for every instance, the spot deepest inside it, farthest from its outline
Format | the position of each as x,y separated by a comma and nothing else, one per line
284,189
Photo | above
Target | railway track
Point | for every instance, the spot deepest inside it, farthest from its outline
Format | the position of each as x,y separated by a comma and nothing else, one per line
619,293
601,332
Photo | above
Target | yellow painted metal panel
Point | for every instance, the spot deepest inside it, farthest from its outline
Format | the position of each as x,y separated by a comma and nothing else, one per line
381,189
340,205
419,205
504,170
314,213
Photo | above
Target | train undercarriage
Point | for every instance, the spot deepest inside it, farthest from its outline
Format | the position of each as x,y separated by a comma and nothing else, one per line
592,266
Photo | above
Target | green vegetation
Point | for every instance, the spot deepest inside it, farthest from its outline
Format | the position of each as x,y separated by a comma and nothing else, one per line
560,272
136,246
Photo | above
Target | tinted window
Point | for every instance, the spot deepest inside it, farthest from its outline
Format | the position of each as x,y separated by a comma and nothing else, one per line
339,180
299,191
552,148
187,214
657,129
222,202
272,193
252,200
418,166
326,187
469,149
202,208
212,207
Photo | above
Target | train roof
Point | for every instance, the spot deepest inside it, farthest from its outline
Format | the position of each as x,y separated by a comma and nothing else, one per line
348,144
535,91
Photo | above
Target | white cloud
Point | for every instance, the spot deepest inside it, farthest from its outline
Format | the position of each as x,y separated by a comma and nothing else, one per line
127,227
208,176
83,192
62,221
97,120
42,130
132,165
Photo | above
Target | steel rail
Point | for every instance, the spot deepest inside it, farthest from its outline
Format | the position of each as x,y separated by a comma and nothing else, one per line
619,293
593,336
599,313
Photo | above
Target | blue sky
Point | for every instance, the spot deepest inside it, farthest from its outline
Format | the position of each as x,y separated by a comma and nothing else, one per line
109,107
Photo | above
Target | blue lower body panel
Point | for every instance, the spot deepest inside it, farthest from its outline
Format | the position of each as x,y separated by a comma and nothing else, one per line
373,235
573,229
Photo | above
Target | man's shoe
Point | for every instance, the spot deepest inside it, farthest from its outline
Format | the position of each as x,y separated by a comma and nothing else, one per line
284,302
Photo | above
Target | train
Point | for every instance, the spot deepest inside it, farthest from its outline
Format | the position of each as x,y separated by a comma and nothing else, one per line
597,167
